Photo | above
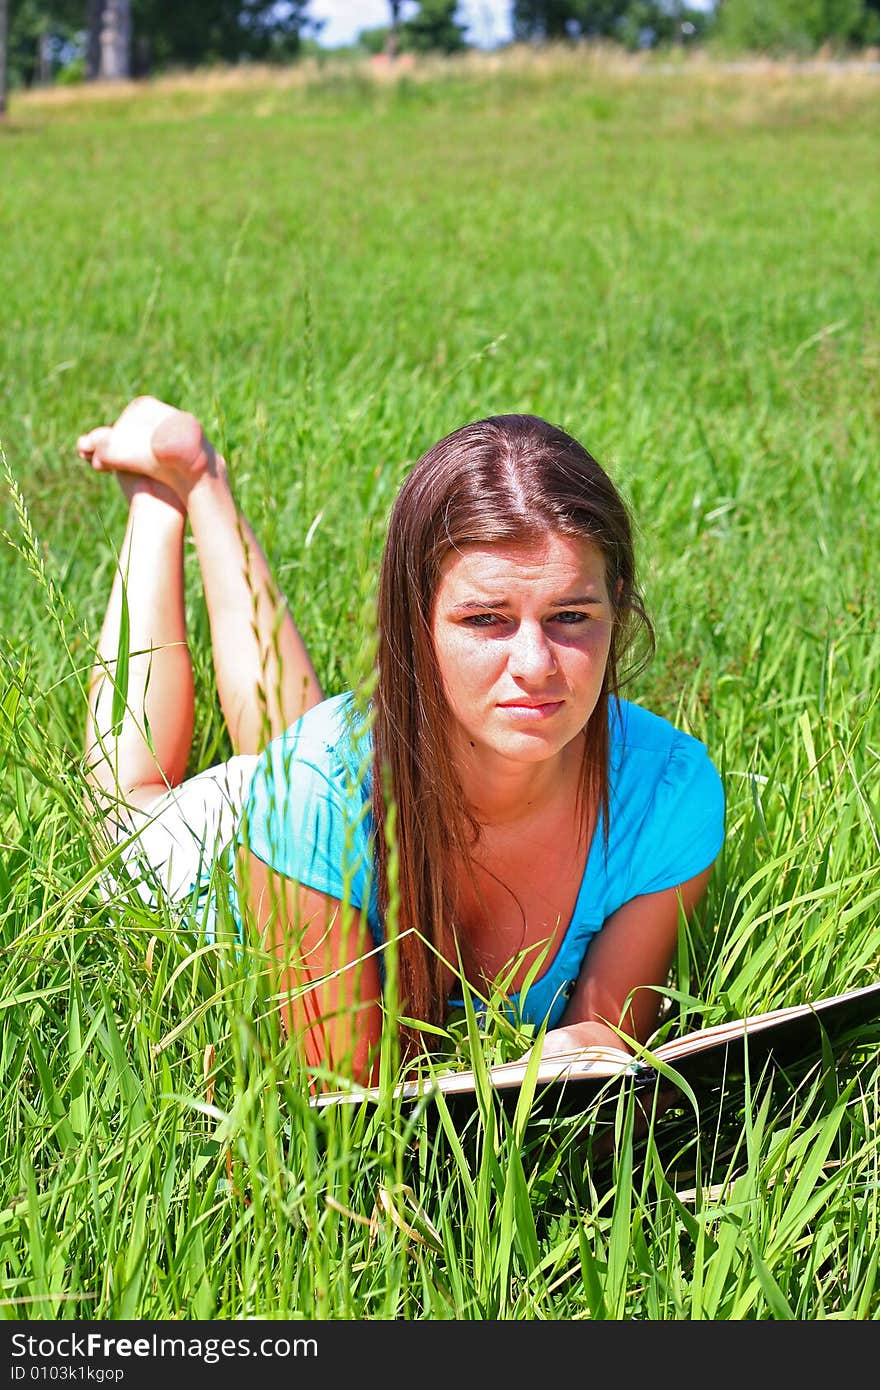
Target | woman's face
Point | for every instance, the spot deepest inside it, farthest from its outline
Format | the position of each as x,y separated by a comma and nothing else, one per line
522,634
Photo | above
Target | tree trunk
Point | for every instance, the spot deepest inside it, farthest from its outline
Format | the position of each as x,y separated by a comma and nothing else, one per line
44,60
4,30
94,21
116,41
392,42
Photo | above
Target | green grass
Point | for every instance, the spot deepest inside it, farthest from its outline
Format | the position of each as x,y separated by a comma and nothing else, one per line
681,269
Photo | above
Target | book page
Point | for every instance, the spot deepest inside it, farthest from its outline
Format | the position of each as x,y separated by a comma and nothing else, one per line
599,1062
720,1033
584,1061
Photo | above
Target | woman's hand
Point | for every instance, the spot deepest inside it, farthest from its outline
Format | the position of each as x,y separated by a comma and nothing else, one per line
564,1042
155,441
576,1036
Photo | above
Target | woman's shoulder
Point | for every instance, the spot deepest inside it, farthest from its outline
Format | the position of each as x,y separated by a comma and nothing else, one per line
650,758
634,727
666,799
326,719
336,729
326,752
307,809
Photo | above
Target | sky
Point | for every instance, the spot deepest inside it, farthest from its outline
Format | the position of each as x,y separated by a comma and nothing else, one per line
488,21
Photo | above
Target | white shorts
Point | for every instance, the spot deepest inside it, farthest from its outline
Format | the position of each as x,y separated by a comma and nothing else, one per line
169,847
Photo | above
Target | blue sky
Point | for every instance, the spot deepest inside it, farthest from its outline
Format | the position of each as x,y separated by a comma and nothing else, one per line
488,21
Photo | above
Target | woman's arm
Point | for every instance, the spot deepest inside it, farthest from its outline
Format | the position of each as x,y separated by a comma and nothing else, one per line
328,980
631,953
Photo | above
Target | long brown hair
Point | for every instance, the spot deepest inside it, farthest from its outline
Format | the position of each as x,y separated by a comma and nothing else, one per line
507,478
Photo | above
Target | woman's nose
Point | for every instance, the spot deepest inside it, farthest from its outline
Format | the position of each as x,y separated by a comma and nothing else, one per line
531,653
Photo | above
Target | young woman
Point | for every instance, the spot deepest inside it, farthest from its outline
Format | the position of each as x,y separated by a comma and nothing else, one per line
497,807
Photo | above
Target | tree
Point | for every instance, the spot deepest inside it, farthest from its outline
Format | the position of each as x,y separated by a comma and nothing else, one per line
636,23
193,32
645,23
869,31
544,19
114,62
39,35
392,42
791,25
109,38
94,9
375,41
4,31
433,29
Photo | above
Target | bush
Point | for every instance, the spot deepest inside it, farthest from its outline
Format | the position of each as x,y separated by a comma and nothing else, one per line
72,73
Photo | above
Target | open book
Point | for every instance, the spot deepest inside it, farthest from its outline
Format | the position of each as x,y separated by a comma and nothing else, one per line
786,1038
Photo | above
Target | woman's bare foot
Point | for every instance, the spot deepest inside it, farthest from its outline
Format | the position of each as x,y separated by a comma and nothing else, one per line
154,442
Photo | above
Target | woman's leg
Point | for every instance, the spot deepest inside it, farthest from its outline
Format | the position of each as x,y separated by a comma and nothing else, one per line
265,678
140,716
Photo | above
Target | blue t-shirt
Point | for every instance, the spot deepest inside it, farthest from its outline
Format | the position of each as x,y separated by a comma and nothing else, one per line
308,815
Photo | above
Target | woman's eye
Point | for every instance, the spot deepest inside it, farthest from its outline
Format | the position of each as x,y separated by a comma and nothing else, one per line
566,618
482,619
571,619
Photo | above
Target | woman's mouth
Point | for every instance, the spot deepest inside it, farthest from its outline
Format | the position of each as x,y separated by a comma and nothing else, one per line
531,709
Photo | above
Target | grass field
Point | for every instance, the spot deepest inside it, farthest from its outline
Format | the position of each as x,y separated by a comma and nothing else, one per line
680,267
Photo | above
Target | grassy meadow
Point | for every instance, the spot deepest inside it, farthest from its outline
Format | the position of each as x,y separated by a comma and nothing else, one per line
681,267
